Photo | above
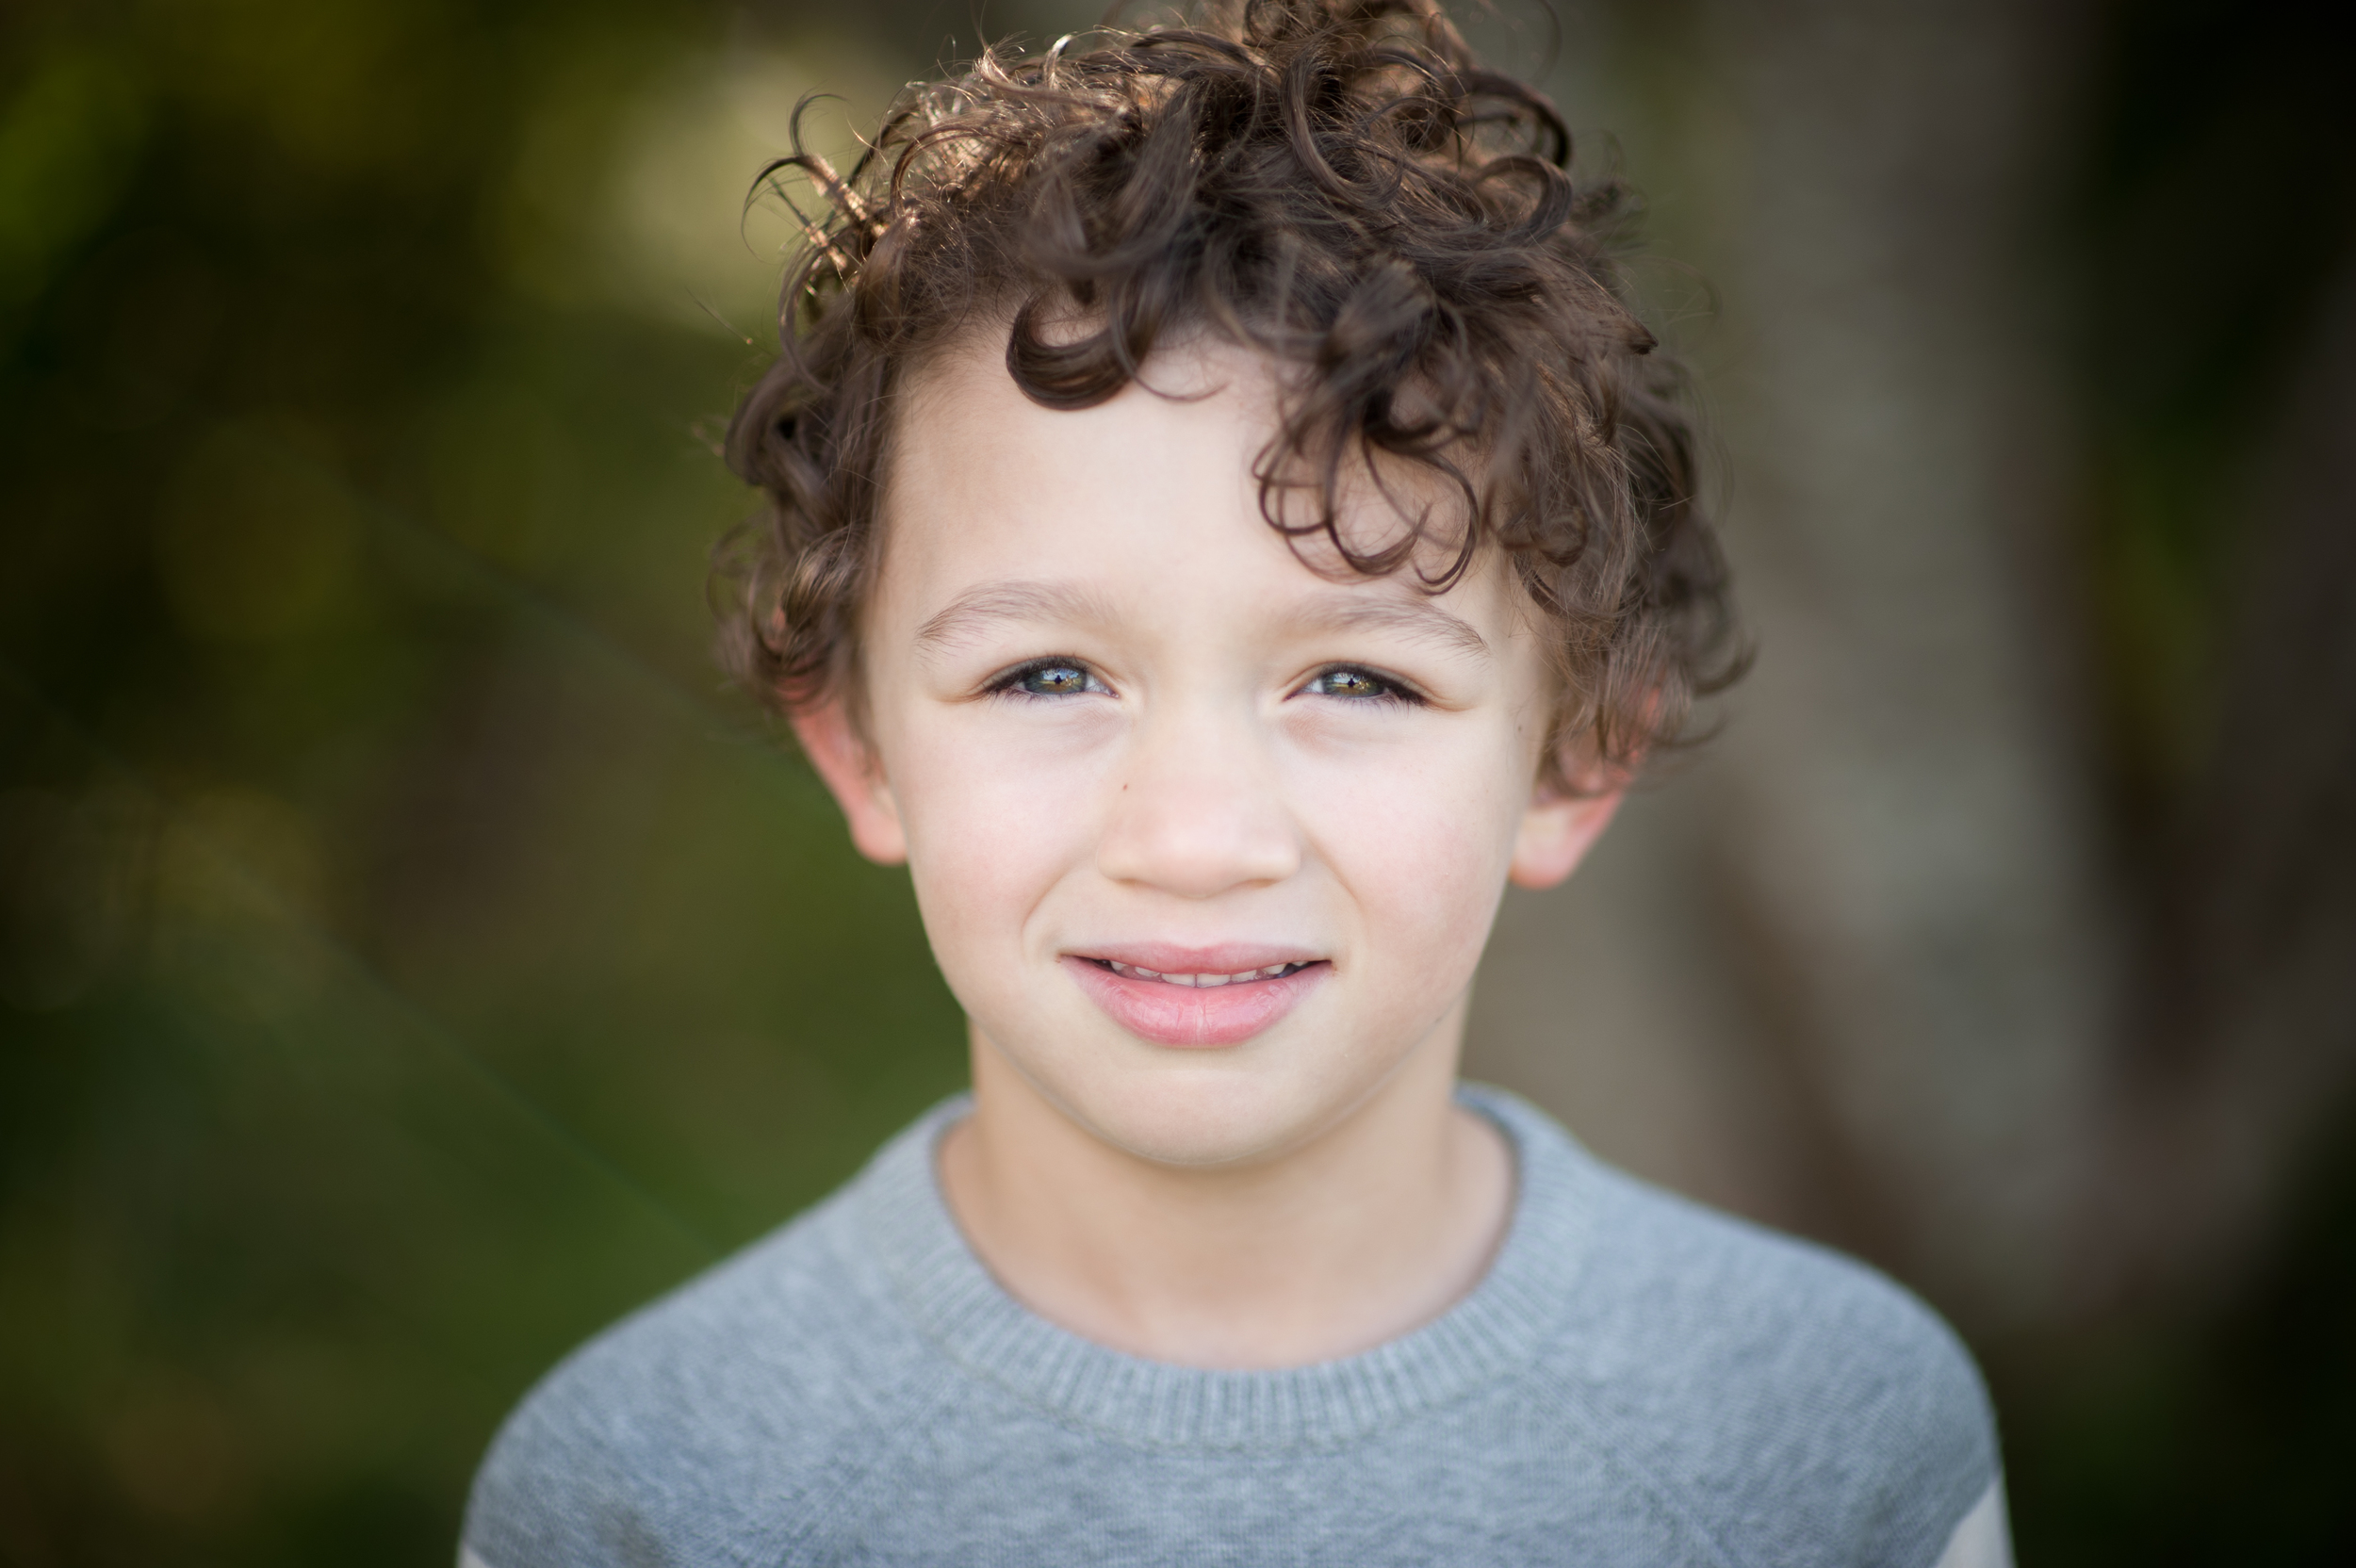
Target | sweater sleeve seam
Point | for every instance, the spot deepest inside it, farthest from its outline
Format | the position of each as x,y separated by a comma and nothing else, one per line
1669,1497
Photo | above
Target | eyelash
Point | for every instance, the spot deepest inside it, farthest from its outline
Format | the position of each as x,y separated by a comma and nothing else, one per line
1388,688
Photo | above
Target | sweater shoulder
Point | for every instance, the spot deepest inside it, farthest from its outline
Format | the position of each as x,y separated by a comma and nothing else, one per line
727,1410
1801,1405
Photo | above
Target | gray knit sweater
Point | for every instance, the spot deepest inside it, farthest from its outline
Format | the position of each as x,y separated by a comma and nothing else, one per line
1636,1381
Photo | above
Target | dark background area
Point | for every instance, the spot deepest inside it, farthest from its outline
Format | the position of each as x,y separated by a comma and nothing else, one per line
412,956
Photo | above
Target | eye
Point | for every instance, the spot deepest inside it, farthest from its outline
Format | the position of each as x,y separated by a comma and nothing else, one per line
1049,678
1356,683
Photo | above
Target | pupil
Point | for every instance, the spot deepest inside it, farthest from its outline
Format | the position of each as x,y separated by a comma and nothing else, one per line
1061,678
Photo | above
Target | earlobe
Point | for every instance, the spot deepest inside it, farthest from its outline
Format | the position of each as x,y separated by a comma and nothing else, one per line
849,767
1556,833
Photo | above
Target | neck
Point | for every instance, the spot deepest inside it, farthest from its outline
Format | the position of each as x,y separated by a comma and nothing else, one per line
1364,1231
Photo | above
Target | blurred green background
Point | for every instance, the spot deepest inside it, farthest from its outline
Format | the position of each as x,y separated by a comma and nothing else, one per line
412,957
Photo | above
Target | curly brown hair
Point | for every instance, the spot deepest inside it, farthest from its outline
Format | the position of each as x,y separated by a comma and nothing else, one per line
1337,184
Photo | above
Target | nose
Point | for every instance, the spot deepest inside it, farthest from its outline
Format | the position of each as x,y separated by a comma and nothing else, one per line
1197,811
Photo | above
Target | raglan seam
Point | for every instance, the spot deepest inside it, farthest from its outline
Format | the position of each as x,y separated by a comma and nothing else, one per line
884,1444
1670,1498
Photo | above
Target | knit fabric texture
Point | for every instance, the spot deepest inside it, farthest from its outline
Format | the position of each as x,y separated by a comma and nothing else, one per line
1636,1381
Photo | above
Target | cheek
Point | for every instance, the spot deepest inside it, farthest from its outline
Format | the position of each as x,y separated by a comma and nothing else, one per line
1423,848
996,815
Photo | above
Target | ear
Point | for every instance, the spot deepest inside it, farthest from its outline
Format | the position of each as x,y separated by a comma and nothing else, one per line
855,777
1556,833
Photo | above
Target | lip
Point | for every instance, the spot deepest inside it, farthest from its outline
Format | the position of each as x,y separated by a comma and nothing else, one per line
1196,1017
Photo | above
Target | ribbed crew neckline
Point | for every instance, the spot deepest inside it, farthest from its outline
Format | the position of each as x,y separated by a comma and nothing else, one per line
955,1302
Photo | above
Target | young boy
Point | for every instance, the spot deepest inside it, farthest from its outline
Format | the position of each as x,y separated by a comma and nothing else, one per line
1223,524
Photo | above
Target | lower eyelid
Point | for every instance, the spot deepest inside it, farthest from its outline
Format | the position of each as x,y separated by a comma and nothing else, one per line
1015,688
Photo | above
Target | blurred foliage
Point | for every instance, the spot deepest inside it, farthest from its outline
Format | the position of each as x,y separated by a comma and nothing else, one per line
2215,211
2213,218
410,958
2223,1439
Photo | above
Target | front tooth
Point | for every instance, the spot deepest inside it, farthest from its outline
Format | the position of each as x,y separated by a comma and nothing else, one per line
1212,979
1183,979
1143,974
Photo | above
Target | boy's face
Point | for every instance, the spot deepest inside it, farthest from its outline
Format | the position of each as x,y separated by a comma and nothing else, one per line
1115,725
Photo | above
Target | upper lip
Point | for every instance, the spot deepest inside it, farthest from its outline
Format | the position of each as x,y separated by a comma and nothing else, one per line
1224,959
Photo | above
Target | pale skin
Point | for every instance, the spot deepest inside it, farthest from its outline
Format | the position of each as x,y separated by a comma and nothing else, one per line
1120,732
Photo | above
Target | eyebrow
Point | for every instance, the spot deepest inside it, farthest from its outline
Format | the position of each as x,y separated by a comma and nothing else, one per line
977,608
971,612
1420,619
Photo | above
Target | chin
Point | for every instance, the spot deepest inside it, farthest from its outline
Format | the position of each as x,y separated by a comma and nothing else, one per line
1202,1120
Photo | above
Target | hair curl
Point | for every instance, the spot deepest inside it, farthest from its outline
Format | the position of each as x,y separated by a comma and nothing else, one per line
1335,183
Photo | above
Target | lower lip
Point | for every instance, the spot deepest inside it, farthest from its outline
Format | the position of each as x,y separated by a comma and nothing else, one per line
1194,1017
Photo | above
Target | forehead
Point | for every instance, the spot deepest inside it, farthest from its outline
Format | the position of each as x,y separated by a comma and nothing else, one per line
1153,488
1197,418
